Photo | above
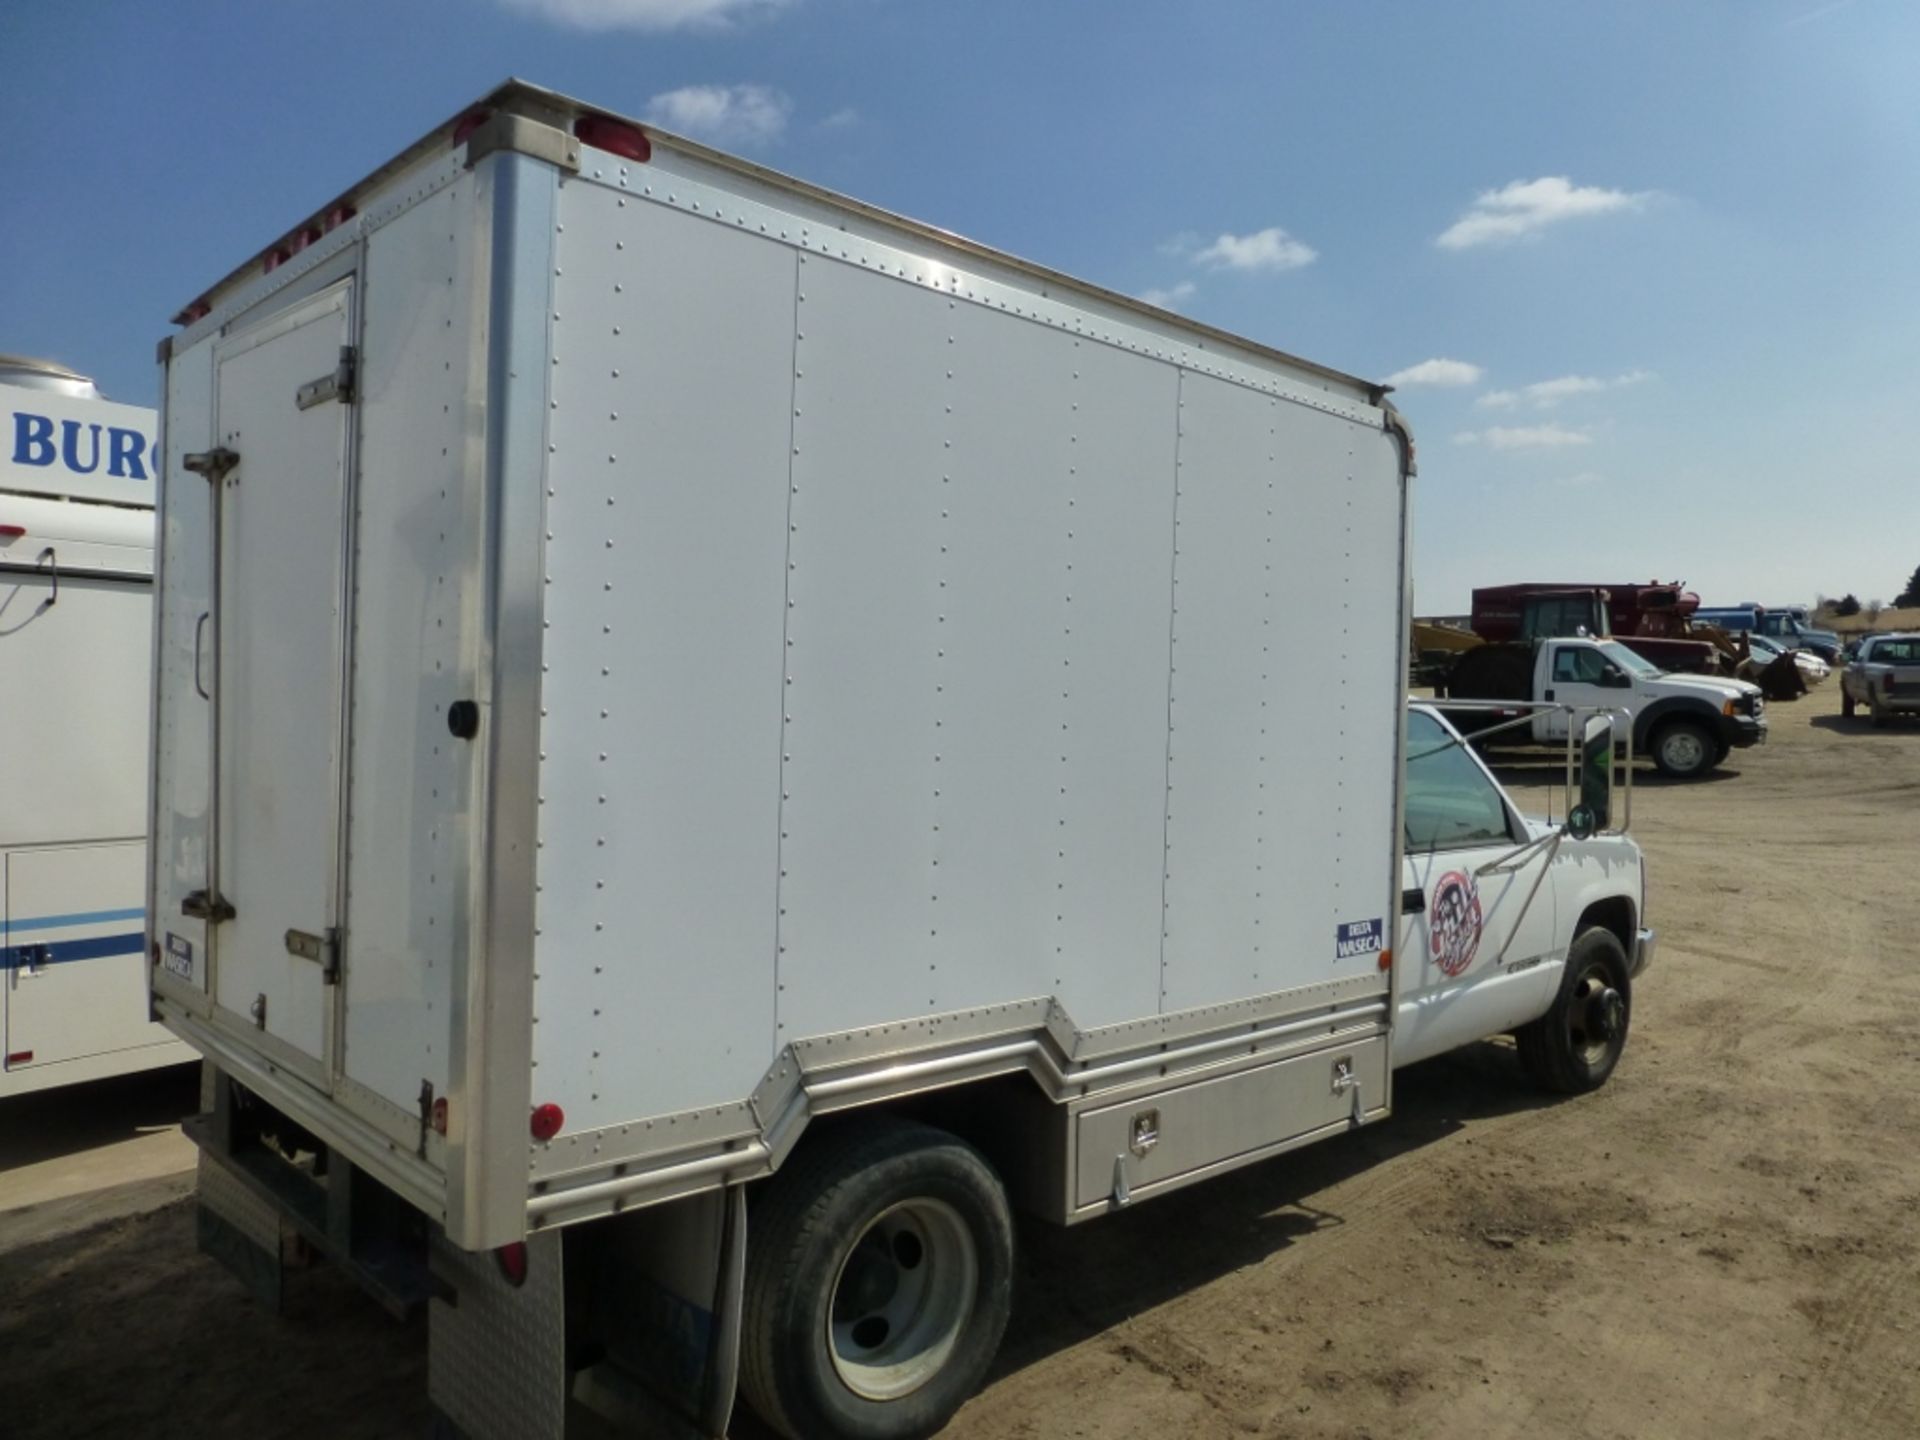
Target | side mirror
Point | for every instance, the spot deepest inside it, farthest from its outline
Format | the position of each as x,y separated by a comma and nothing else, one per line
1617,680
1595,810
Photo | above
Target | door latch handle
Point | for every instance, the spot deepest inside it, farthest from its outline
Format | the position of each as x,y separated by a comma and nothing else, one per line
211,465
199,635
206,905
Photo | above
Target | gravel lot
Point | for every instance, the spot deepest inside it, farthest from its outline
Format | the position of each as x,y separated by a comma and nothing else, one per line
1723,1242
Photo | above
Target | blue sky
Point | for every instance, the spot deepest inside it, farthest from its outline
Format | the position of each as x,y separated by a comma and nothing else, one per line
1669,245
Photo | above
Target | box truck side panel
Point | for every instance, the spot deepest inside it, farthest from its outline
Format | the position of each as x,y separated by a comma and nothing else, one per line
1278,506
419,506
859,781
183,676
666,553
1032,669
73,702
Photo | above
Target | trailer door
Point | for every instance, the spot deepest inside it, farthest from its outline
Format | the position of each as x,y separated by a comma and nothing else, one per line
279,518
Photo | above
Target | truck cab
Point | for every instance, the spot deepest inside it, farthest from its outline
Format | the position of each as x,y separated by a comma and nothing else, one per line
1686,723
1510,923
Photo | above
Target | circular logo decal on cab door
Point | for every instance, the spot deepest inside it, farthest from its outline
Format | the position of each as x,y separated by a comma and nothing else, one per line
1453,922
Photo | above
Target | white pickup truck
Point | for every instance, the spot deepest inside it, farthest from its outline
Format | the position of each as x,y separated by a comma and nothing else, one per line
1687,724
1513,924
1884,676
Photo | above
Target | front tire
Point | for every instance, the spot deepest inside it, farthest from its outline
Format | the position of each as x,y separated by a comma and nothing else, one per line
1683,749
879,1281
1574,1047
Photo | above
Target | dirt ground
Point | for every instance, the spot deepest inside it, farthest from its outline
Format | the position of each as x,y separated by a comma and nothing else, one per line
1725,1242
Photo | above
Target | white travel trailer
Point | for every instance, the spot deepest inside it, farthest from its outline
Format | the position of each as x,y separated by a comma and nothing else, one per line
76,605
673,683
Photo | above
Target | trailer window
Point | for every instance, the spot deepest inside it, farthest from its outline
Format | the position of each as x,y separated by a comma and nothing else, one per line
1450,802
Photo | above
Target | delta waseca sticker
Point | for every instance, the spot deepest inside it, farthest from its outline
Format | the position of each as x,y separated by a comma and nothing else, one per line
1359,937
1453,922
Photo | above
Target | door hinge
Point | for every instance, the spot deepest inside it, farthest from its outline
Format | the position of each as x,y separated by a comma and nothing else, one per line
323,950
336,386
206,905
211,465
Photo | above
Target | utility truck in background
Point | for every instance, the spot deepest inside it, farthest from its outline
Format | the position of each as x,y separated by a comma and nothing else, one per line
76,606
1687,724
713,741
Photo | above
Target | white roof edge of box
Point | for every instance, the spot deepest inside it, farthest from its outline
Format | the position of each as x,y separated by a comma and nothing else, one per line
1369,392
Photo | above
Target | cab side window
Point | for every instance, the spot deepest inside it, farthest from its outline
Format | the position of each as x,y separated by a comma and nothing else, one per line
1575,666
1450,802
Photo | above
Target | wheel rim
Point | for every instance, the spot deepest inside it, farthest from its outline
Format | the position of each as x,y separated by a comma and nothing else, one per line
902,1296
1683,750
1597,1018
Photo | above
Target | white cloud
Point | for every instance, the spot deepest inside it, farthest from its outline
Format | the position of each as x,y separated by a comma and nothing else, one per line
1526,207
742,116
1269,249
1169,298
644,14
1545,394
843,118
1437,372
1524,437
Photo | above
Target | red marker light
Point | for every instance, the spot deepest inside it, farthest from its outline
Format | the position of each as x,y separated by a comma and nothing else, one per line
629,142
12,532
338,216
468,123
439,1121
20,1057
547,1120
513,1262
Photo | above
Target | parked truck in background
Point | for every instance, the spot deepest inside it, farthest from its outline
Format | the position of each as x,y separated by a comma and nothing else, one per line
672,681
1686,724
1883,678
1787,626
76,604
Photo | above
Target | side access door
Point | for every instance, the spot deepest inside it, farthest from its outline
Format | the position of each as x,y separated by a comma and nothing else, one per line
279,478
1476,950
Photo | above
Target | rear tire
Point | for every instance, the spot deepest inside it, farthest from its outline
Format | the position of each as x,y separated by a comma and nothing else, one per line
1574,1047
1846,702
879,1280
1683,749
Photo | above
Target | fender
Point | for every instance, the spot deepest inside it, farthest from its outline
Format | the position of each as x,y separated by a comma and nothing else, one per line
1673,707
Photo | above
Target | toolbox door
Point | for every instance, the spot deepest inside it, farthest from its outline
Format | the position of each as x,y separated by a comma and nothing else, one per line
279,478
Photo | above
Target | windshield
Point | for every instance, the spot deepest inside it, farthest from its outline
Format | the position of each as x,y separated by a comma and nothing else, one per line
1628,661
1760,645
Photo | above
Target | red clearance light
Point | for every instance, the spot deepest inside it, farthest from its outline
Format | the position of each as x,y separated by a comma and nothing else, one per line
513,1262
19,1057
276,257
547,1120
440,1116
337,217
304,237
12,532
629,142
198,310
468,123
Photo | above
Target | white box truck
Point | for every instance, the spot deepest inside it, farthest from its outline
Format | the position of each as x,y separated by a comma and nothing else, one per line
714,741
76,606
